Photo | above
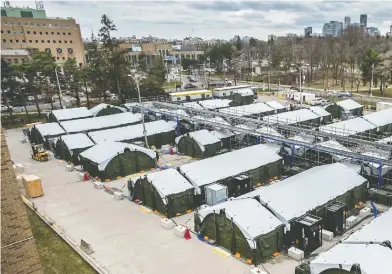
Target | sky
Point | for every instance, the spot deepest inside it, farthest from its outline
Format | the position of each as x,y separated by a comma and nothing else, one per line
215,19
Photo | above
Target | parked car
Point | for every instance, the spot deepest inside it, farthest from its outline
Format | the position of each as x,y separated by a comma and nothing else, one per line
5,108
190,85
30,98
192,79
345,94
318,102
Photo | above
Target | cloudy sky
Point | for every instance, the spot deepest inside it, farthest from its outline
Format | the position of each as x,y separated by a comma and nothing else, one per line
215,19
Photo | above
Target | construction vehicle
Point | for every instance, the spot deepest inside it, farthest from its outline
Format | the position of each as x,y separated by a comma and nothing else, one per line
39,153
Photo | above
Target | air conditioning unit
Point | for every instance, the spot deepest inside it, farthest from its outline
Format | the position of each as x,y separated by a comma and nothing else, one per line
216,194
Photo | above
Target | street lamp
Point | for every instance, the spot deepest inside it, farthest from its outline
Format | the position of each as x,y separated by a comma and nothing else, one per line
300,80
136,80
371,81
58,84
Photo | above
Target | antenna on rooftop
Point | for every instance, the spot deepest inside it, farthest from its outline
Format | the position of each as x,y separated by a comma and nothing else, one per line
39,5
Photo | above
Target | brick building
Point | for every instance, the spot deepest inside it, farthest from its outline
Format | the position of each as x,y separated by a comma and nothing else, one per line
18,250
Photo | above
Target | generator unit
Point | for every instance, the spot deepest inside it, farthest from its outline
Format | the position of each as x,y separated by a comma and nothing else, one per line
335,218
239,185
307,232
216,194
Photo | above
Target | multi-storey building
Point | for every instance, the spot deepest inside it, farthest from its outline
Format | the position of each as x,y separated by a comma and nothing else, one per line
31,29
308,31
347,22
363,20
327,29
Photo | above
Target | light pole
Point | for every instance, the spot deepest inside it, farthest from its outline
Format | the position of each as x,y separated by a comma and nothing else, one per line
204,66
136,80
58,84
300,85
371,81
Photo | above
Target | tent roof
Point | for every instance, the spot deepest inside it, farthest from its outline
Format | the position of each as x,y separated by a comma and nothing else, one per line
71,113
349,104
346,255
203,137
247,109
250,216
335,145
218,120
348,127
101,122
211,170
222,133
78,140
385,140
132,132
51,129
102,106
233,87
380,118
269,130
192,105
168,182
215,103
320,111
292,117
275,105
244,92
377,231
295,196
102,153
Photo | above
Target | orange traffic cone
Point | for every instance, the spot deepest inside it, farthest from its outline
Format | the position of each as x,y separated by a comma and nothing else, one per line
187,234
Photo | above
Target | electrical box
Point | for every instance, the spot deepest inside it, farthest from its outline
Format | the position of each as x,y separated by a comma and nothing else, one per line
216,194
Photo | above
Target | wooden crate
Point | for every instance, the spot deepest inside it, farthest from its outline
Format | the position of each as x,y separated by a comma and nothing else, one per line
33,186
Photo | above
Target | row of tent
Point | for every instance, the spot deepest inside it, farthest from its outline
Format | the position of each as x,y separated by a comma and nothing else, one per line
174,191
261,222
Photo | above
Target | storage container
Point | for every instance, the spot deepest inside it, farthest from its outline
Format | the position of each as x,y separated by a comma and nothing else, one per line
33,186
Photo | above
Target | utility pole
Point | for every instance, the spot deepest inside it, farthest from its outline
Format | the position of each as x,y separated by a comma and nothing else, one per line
371,81
269,64
58,84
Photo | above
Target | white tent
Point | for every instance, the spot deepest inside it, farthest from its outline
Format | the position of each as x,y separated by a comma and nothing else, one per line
71,114
348,127
75,141
248,110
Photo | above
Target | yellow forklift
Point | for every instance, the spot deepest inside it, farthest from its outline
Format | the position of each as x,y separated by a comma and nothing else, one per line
39,153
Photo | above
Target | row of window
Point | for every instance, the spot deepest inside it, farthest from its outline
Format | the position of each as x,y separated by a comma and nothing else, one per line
36,41
16,61
36,25
35,32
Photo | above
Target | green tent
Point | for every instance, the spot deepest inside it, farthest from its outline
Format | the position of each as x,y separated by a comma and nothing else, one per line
105,109
243,227
68,147
110,160
198,144
242,97
338,108
166,191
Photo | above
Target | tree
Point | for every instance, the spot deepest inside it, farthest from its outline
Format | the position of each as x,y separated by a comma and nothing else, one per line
186,63
370,60
142,62
238,44
73,79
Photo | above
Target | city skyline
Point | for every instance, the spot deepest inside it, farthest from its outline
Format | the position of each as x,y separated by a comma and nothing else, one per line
220,20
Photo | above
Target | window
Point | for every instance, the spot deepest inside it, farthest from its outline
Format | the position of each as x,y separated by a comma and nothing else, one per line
40,32
11,41
9,60
58,33
74,58
4,40
8,31
5,23
178,99
17,41
55,25
31,24
48,50
14,32
48,41
54,41
36,41
70,41
2,31
60,41
34,32
28,32
25,24
46,33
26,14
44,25
65,41
69,33
50,25
30,41
207,95
58,58
37,25
16,61
69,57
63,58
23,41
224,94
3,13
42,41
52,33
63,33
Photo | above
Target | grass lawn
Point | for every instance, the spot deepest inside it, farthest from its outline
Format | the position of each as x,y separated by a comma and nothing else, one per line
172,84
55,254
20,119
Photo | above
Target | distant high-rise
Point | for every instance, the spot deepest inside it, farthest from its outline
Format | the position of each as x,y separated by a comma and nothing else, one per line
363,20
308,31
347,22
327,29
333,28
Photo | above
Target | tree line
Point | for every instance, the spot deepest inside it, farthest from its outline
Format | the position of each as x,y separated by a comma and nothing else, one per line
107,72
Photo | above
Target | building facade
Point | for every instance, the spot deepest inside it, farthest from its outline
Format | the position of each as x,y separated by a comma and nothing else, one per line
347,22
27,28
308,31
333,28
363,20
15,56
